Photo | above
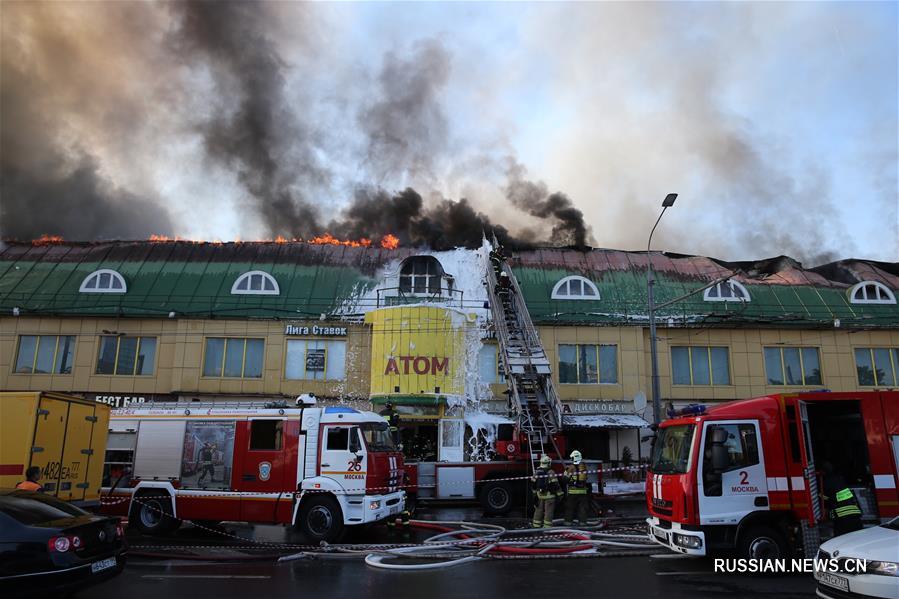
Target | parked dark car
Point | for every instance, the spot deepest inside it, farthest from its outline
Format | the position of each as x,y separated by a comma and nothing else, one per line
47,544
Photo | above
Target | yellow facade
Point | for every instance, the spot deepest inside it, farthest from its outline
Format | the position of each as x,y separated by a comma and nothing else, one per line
179,357
419,332
419,350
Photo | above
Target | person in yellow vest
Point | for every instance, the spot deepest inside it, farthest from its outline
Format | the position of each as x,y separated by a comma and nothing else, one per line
548,490
577,503
845,511
32,475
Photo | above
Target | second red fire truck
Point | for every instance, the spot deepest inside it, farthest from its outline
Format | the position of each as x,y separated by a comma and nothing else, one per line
319,468
748,474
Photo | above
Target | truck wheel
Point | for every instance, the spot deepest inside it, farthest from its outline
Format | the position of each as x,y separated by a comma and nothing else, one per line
152,515
497,498
763,542
320,519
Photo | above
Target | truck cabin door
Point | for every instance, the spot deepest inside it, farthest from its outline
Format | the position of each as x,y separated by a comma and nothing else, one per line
451,434
261,466
343,457
731,479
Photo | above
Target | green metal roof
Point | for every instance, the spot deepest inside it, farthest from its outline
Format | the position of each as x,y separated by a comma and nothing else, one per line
195,279
781,292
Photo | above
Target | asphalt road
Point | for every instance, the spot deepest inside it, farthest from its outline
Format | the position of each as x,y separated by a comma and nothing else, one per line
256,573
600,577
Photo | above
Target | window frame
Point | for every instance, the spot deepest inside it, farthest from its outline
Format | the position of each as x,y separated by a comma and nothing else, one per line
893,352
37,352
328,342
577,363
113,275
247,276
118,338
582,296
707,297
279,434
499,375
243,363
709,349
783,366
861,288
438,275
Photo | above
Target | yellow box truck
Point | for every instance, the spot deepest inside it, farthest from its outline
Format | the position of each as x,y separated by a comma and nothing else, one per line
64,435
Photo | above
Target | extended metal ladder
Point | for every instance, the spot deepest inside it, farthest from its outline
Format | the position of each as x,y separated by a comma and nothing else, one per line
532,396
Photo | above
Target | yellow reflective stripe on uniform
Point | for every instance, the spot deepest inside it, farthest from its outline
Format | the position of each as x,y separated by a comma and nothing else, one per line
847,510
577,491
844,495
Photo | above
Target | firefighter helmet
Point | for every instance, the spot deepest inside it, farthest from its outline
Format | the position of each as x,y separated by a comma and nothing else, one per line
545,462
576,456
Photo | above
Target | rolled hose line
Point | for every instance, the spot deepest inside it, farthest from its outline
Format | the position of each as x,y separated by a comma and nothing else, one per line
578,543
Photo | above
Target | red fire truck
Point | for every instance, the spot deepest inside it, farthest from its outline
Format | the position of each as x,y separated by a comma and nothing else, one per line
747,474
318,468
499,484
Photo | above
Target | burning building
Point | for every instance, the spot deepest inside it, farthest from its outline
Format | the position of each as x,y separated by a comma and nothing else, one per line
368,322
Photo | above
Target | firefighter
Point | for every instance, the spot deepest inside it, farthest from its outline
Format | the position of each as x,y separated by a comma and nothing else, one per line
577,502
406,515
548,490
32,475
845,511
390,415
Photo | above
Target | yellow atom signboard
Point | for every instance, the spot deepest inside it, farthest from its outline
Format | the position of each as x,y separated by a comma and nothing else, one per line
418,350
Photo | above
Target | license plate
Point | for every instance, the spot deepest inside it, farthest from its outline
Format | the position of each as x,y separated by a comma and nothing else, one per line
103,564
832,580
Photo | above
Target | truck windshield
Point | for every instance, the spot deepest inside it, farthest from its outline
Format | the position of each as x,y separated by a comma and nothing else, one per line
377,436
671,453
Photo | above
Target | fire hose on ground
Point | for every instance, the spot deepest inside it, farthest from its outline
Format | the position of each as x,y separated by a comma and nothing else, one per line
472,542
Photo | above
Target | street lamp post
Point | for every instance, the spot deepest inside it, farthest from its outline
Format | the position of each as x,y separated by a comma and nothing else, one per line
653,352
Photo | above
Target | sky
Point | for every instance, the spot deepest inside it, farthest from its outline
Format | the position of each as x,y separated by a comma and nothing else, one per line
775,122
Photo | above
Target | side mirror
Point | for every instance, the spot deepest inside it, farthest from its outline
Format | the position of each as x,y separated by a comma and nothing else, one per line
355,445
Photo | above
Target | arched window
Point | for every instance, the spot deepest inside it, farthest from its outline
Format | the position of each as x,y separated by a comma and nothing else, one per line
421,275
726,291
871,292
255,282
103,281
575,288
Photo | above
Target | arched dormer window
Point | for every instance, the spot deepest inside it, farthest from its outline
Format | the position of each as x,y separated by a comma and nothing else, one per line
103,281
871,292
727,291
421,275
575,288
255,282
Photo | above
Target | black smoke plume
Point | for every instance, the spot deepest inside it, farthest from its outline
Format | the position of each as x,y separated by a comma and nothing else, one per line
442,224
569,228
47,185
260,136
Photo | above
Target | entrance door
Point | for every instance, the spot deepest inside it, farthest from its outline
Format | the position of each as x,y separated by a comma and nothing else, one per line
451,434
262,467
732,484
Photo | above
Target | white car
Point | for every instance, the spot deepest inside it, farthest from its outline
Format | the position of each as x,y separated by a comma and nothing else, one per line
878,545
